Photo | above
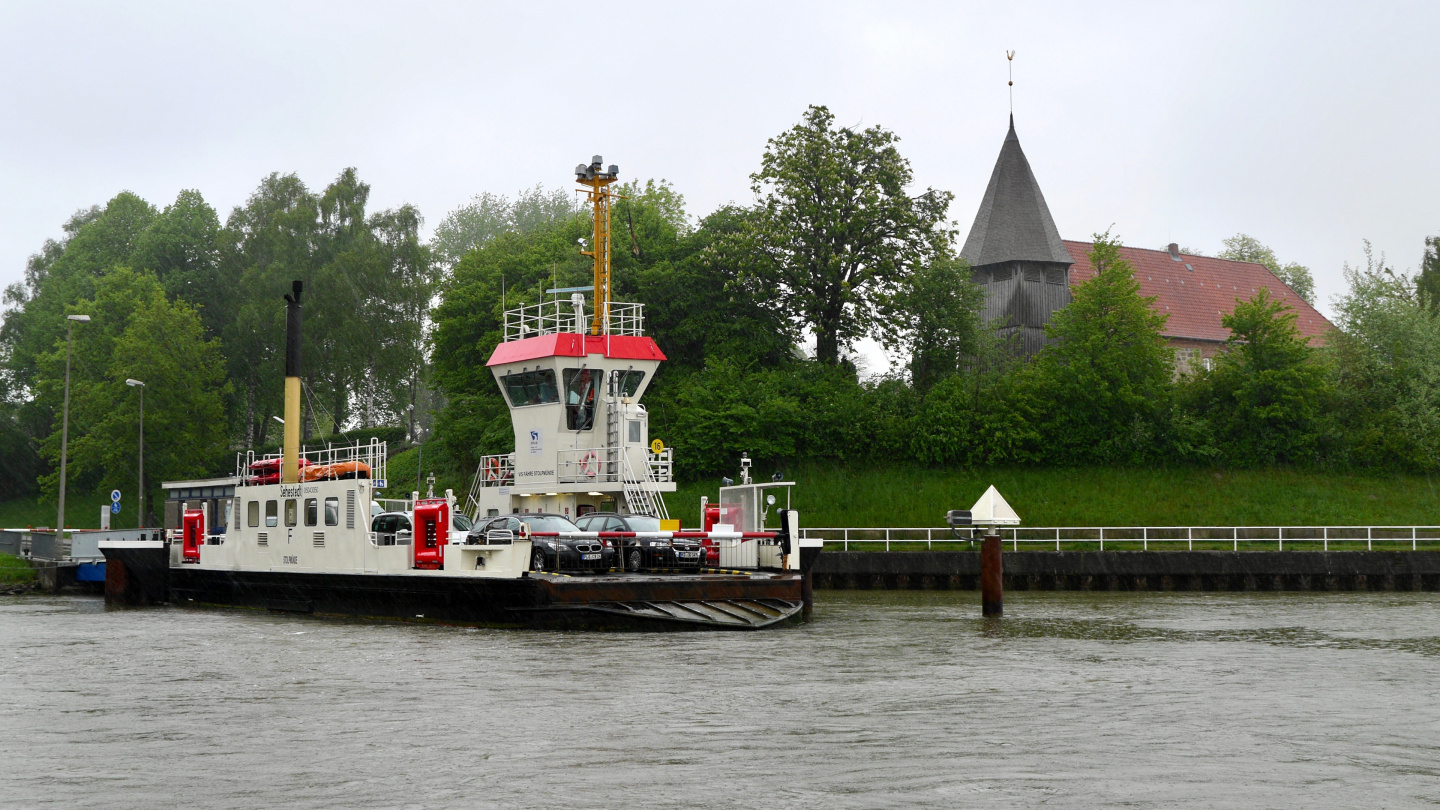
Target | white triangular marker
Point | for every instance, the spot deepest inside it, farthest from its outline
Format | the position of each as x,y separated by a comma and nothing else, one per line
992,510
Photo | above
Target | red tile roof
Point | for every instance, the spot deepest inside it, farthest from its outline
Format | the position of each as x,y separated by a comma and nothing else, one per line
1196,296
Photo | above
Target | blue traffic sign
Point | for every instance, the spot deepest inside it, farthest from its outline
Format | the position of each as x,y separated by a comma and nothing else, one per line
115,508
114,496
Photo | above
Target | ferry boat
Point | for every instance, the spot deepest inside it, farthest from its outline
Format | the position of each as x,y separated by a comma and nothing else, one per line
293,532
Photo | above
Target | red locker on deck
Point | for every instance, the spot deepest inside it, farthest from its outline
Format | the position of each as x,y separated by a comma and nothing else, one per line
432,532
193,536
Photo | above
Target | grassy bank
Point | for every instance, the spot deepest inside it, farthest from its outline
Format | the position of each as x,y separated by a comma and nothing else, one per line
14,569
82,511
833,495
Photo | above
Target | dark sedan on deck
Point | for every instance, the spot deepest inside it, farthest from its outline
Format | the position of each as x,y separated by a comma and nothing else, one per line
547,553
645,552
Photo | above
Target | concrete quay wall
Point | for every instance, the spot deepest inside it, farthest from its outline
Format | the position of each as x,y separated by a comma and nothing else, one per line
1137,570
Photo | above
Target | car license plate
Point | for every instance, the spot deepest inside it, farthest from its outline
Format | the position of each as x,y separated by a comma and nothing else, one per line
594,556
689,554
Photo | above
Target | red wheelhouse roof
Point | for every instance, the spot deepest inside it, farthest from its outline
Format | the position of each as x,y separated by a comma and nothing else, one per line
1197,291
569,344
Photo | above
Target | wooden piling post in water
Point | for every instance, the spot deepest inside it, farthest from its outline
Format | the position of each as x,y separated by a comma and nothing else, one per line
992,585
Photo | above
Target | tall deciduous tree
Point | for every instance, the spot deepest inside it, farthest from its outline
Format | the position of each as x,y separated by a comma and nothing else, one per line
835,234
1268,390
1105,381
1428,284
1387,353
137,332
488,215
1245,248
940,312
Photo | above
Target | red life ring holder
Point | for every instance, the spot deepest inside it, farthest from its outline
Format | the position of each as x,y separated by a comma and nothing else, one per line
590,464
492,469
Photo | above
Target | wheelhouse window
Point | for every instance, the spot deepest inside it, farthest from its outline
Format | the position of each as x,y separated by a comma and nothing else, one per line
580,385
628,382
312,511
252,511
332,511
530,388
272,513
633,426
292,511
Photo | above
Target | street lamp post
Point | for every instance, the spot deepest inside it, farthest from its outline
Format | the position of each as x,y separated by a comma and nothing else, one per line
71,320
140,504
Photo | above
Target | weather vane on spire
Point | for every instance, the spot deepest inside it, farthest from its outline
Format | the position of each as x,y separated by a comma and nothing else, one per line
1010,63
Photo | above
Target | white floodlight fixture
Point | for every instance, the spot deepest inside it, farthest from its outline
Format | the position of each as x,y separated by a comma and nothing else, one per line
278,419
613,170
133,383
80,318
593,494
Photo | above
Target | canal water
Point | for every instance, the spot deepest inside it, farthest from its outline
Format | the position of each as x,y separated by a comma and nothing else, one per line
888,700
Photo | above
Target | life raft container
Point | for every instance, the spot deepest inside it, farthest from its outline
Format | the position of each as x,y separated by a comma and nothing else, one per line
342,470
267,470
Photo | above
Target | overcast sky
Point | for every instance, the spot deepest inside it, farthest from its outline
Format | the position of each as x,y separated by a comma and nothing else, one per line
1311,126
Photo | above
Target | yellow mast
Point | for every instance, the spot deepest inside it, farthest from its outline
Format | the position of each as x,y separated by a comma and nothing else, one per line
596,177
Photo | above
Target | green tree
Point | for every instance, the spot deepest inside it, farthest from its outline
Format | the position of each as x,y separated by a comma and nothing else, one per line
488,215
96,241
1268,390
136,332
182,247
1387,358
268,242
1428,284
509,270
940,311
1245,248
1105,381
835,235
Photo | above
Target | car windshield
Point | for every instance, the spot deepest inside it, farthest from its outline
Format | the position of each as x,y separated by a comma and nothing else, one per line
462,523
641,523
549,523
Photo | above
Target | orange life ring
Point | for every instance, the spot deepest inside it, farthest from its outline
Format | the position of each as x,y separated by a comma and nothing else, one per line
492,469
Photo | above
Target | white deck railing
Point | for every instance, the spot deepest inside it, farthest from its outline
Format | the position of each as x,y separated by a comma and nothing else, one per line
1162,537
372,454
555,317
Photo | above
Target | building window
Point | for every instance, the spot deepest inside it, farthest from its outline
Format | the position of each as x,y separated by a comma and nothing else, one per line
628,382
272,513
580,396
530,388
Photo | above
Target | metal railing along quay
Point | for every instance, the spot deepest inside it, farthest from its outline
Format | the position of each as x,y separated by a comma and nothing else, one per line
1127,537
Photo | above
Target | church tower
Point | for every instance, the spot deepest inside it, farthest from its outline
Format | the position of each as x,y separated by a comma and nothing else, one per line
1016,253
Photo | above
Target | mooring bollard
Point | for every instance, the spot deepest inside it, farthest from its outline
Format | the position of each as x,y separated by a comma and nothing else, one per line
992,585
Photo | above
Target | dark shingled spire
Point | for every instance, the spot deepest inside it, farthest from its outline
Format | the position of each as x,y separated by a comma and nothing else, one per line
1013,223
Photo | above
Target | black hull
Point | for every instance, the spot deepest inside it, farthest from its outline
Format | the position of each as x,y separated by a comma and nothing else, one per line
701,601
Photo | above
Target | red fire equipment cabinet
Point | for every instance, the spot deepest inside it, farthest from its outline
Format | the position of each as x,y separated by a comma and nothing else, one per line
193,535
710,516
432,532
